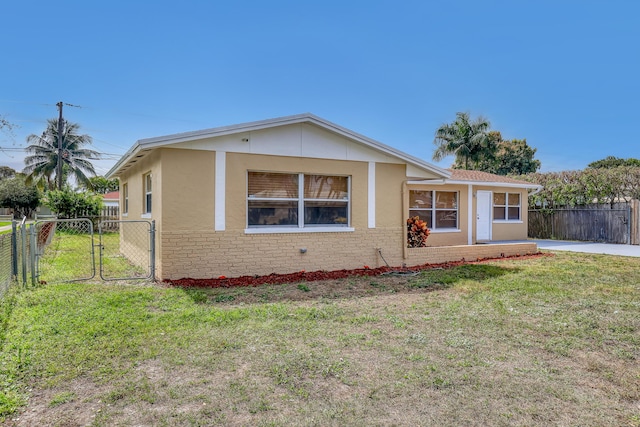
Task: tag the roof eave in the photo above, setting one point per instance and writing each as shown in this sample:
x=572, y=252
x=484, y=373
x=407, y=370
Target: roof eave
x=483, y=183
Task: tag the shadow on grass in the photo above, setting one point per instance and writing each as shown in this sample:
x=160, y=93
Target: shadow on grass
x=350, y=287
x=447, y=277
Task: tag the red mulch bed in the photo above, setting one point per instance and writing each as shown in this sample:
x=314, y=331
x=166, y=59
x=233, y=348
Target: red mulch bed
x=312, y=276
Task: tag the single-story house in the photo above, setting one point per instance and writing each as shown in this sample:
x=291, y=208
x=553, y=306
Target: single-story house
x=302, y=193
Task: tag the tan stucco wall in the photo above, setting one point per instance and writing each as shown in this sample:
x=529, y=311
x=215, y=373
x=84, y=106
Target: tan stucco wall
x=187, y=189
x=446, y=237
x=188, y=246
x=511, y=230
x=193, y=249
x=389, y=179
x=239, y=164
x=133, y=245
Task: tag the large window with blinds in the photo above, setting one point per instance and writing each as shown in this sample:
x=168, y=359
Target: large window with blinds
x=439, y=209
x=296, y=200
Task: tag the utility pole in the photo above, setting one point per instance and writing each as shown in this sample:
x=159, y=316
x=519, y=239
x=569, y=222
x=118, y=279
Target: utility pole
x=60, y=138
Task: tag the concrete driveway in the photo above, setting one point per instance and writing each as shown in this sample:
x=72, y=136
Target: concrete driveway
x=588, y=247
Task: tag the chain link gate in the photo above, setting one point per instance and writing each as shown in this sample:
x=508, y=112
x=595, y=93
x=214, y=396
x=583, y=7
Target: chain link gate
x=64, y=250
x=127, y=250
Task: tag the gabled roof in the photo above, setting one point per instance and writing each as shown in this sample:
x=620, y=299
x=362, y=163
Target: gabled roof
x=144, y=146
x=112, y=195
x=478, y=176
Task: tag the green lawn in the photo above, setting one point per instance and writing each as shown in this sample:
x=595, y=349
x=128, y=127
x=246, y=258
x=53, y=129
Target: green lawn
x=531, y=342
x=70, y=256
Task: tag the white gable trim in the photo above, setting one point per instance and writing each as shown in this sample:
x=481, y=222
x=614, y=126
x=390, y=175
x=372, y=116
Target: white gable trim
x=470, y=216
x=220, y=191
x=371, y=196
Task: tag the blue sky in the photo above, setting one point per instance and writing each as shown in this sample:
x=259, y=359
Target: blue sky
x=564, y=74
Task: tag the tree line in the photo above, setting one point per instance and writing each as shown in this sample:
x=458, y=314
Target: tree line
x=593, y=185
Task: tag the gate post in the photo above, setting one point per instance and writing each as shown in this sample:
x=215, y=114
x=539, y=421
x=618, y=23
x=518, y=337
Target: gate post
x=634, y=220
x=33, y=253
x=152, y=247
x=23, y=238
x=14, y=250
x=628, y=224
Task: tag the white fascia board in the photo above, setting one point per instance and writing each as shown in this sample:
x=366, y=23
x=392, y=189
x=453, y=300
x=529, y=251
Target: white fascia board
x=476, y=183
x=124, y=159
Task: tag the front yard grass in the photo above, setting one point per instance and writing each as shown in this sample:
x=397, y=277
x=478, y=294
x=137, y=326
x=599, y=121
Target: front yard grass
x=530, y=342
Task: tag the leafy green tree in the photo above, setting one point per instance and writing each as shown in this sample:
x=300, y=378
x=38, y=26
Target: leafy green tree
x=6, y=172
x=17, y=195
x=512, y=157
x=516, y=157
x=68, y=204
x=614, y=162
x=41, y=164
x=102, y=185
x=465, y=138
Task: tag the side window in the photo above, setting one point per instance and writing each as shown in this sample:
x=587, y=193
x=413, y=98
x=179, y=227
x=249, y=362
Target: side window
x=506, y=207
x=125, y=198
x=147, y=193
x=439, y=209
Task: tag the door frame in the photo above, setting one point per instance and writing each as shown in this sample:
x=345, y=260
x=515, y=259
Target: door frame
x=488, y=211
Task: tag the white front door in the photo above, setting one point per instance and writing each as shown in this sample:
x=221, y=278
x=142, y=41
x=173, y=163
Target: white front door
x=483, y=215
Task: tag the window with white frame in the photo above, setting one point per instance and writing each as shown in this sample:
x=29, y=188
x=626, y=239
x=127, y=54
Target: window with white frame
x=297, y=200
x=125, y=198
x=147, y=193
x=439, y=209
x=506, y=207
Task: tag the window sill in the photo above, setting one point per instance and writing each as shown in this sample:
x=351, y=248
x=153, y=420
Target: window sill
x=507, y=221
x=444, y=230
x=269, y=230
x=146, y=215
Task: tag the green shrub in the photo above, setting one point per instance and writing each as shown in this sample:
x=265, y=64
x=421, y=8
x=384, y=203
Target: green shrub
x=68, y=204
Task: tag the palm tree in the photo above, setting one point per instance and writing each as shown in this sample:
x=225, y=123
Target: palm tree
x=42, y=163
x=467, y=139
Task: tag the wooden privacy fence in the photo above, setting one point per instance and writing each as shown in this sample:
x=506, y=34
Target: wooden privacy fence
x=619, y=223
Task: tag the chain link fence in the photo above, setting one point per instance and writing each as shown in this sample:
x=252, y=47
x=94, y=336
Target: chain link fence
x=126, y=250
x=61, y=250
x=6, y=263
x=13, y=245
x=64, y=250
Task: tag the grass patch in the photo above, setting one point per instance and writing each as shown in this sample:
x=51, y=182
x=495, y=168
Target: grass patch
x=534, y=342
x=75, y=256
